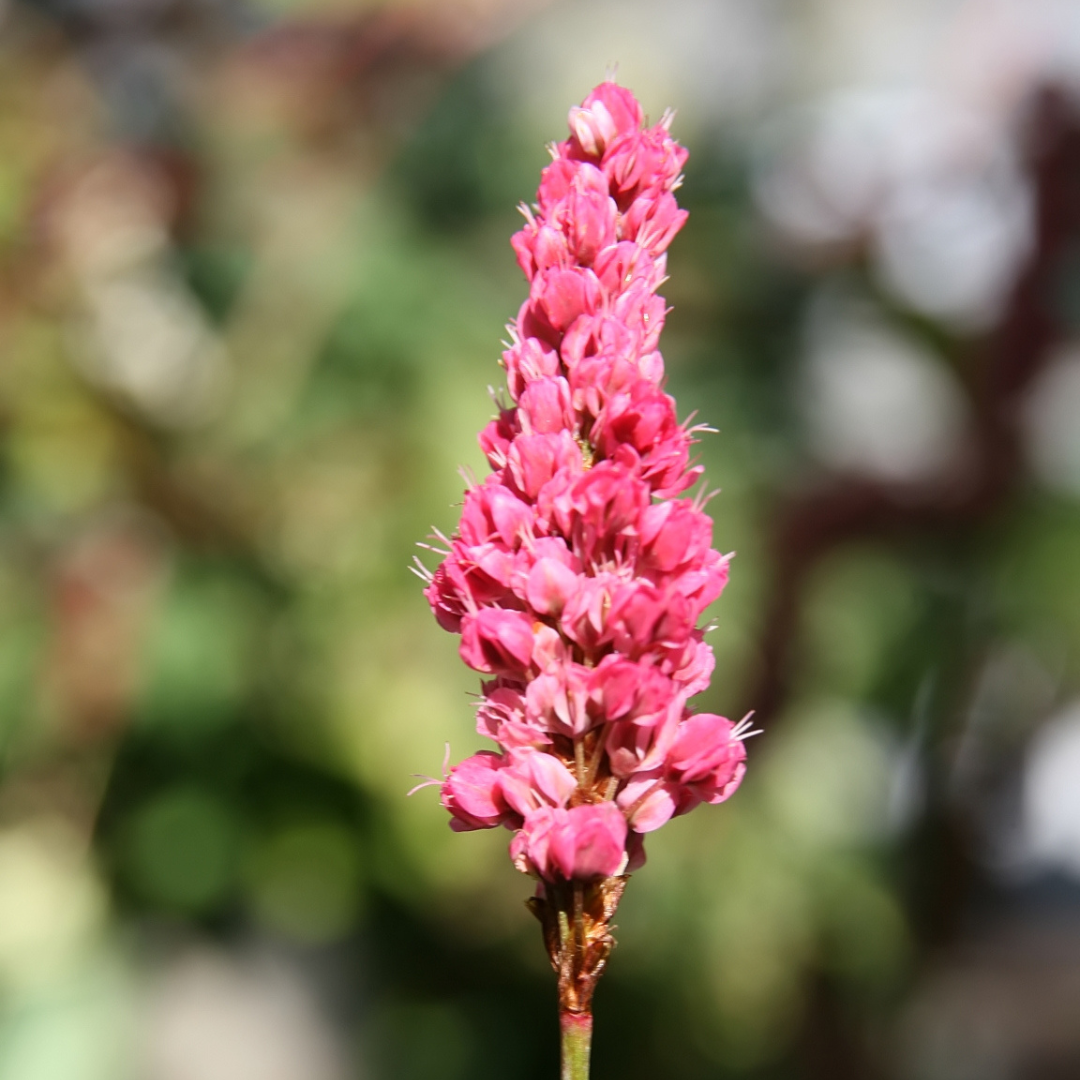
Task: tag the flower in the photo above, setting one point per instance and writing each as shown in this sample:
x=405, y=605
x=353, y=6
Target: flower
x=582, y=843
x=579, y=570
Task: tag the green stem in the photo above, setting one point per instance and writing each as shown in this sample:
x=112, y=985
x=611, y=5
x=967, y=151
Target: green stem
x=576, y=1041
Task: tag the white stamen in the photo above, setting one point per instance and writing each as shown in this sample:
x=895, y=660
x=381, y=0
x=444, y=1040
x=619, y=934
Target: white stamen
x=742, y=730
x=429, y=547
x=421, y=571
x=427, y=781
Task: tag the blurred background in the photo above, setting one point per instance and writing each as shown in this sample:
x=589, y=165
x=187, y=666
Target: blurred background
x=254, y=271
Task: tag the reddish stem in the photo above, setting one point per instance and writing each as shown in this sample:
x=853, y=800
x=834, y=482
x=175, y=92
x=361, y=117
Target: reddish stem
x=576, y=1030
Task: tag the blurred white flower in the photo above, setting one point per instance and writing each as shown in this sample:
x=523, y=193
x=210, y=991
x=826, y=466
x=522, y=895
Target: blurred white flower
x=1051, y=796
x=875, y=402
x=931, y=185
x=211, y=1016
x=142, y=336
x=52, y=905
x=1050, y=423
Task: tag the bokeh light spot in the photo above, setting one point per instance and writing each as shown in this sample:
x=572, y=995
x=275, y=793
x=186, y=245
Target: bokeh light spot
x=181, y=849
x=305, y=881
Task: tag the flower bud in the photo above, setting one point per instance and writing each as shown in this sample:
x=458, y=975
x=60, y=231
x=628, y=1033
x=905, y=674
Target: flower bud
x=588, y=842
x=551, y=584
x=533, y=779
x=497, y=642
x=544, y=406
x=707, y=758
x=606, y=113
x=472, y=793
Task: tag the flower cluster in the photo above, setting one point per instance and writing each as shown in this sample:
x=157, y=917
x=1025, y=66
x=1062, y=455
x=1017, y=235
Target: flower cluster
x=577, y=575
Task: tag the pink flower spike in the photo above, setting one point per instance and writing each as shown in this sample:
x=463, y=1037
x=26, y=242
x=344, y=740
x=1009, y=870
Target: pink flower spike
x=577, y=576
